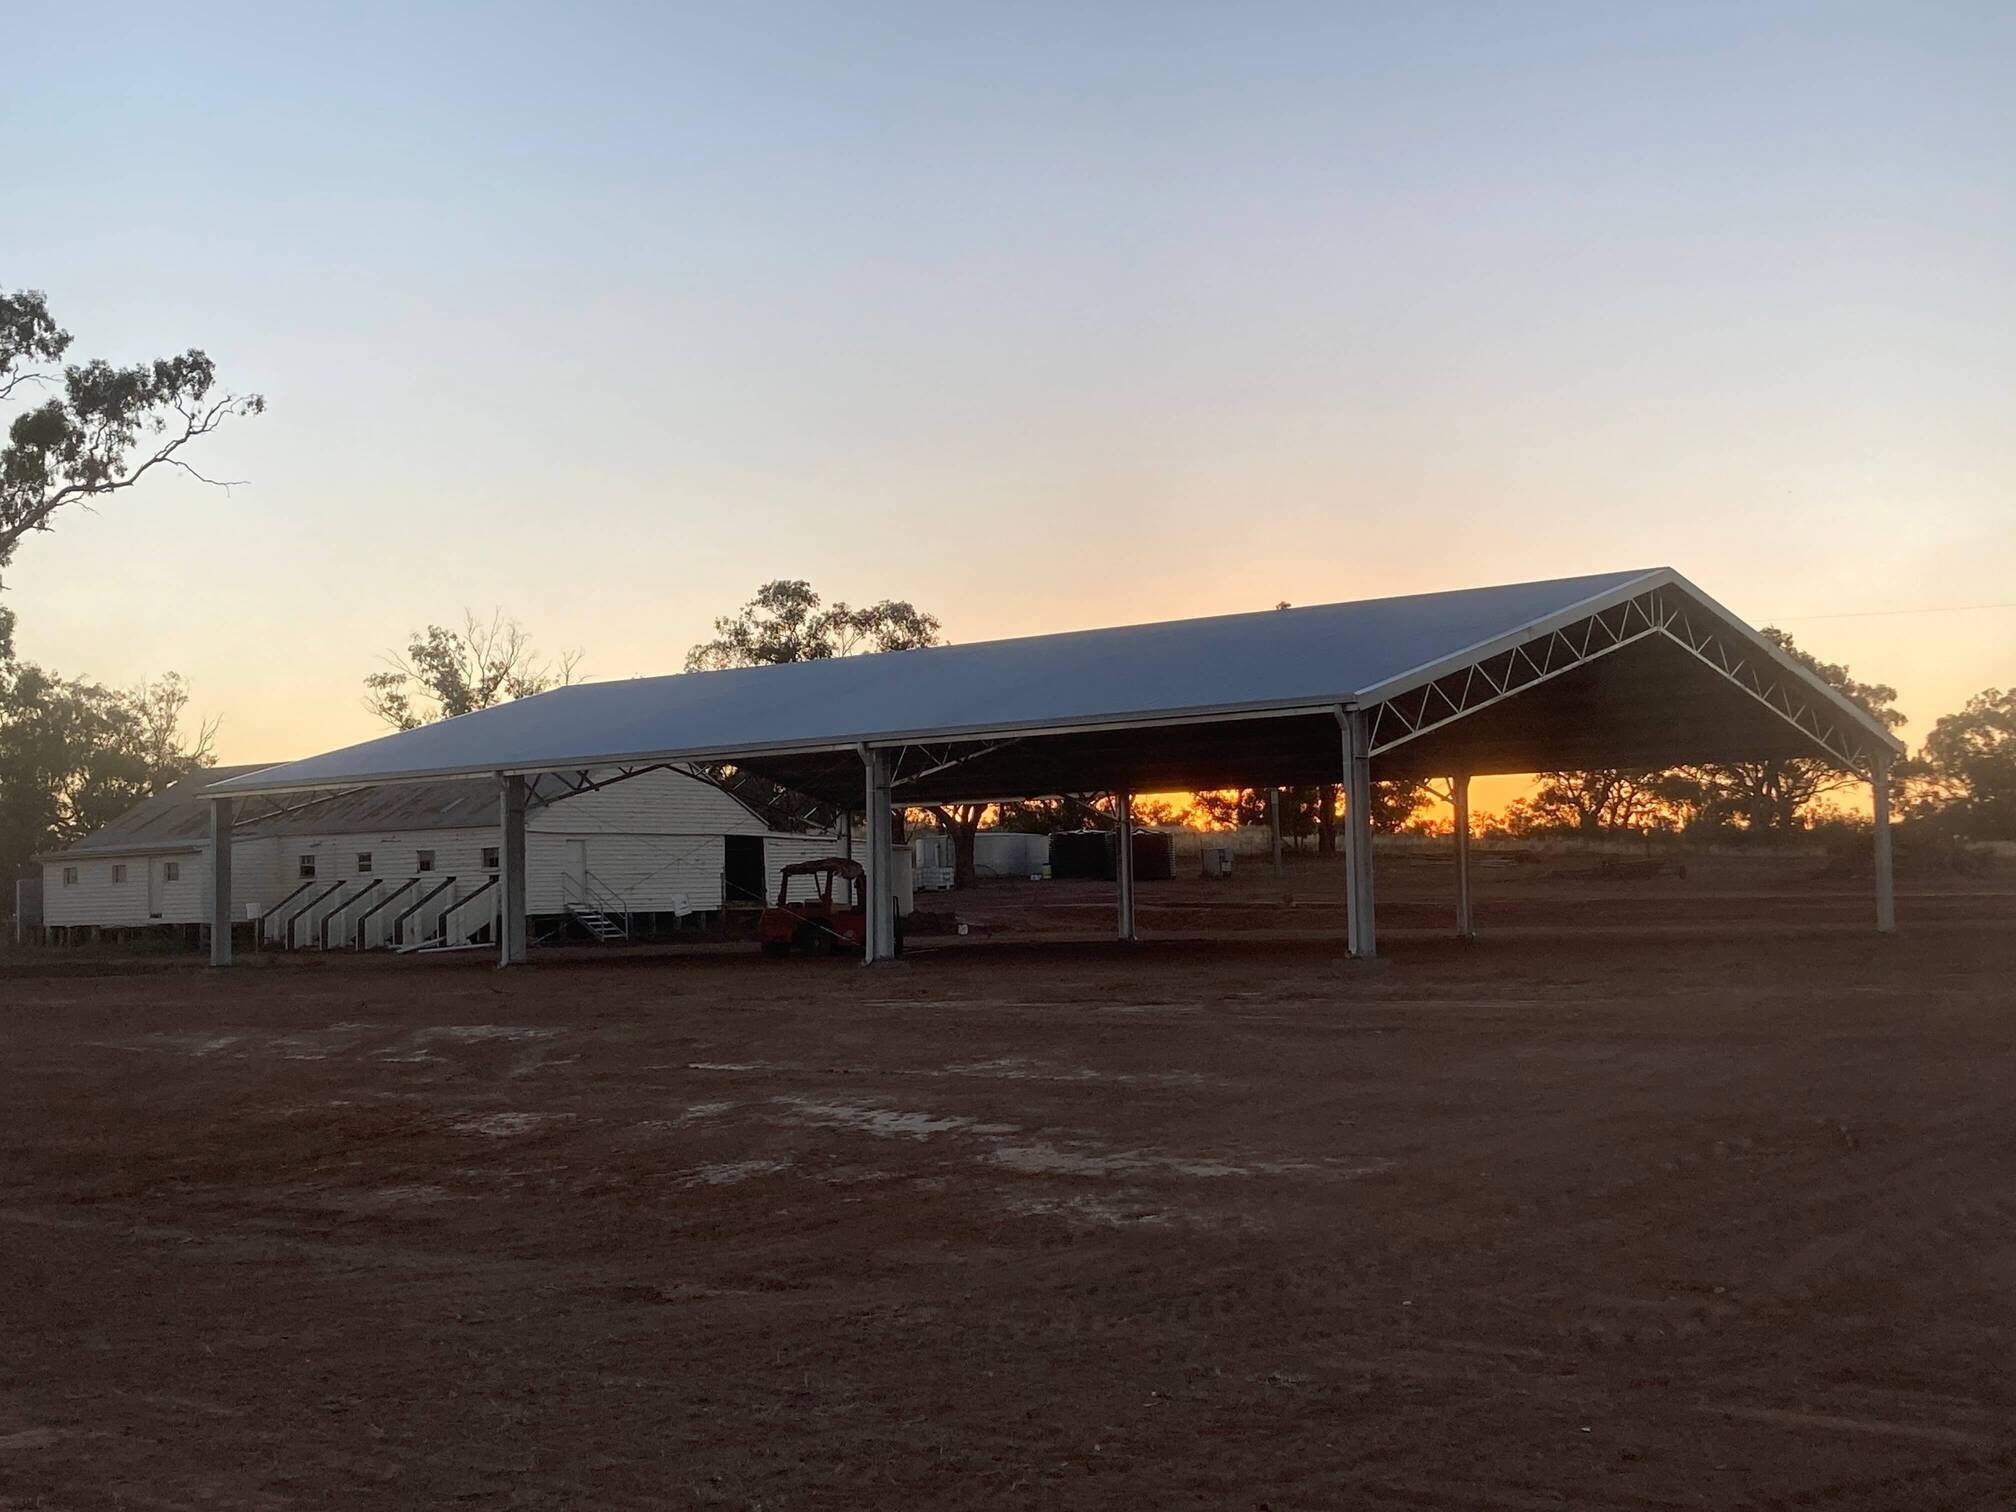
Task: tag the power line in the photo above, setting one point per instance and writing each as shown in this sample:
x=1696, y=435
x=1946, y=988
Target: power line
x=1887, y=613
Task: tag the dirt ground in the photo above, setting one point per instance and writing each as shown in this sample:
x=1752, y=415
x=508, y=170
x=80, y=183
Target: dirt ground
x=1682, y=1194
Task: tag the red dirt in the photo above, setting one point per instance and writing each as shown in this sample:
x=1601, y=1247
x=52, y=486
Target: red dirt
x=1623, y=1219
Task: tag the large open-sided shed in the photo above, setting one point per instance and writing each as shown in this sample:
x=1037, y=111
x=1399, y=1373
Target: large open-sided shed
x=1625, y=669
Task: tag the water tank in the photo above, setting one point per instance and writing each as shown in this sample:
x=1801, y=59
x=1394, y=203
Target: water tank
x=1083, y=854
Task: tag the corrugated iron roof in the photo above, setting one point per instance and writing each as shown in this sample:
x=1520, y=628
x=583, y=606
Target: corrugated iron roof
x=176, y=817
x=457, y=803
x=1308, y=655
x=1161, y=675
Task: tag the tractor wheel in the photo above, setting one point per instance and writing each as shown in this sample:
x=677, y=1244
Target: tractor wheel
x=810, y=939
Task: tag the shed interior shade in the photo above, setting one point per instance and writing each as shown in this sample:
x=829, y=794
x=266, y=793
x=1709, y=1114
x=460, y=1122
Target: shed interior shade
x=1617, y=669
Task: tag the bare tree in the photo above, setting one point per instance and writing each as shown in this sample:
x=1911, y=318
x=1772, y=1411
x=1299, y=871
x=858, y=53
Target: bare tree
x=445, y=673
x=157, y=739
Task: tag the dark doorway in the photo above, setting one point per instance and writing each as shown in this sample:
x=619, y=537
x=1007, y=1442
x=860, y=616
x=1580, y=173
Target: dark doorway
x=742, y=869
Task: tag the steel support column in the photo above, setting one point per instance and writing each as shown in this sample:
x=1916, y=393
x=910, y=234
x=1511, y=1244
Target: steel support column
x=220, y=881
x=1123, y=861
x=881, y=942
x=1460, y=798
x=511, y=940
x=1363, y=933
x=1886, y=892
x=1274, y=827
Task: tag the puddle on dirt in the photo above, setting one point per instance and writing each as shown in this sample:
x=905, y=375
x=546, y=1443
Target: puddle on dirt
x=1095, y=1212
x=1003, y=1068
x=1037, y=1157
x=418, y=1046
x=729, y=1172
x=1050, y=1160
x=506, y=1125
x=647, y=1129
x=1095, y=1001
x=1025, y=1068
x=885, y=1123
x=303, y=1044
x=1040, y=1158
x=400, y=1196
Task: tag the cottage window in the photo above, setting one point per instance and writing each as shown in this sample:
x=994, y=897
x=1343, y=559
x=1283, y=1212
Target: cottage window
x=489, y=858
x=118, y=873
x=424, y=861
x=307, y=864
x=363, y=863
x=69, y=876
x=171, y=871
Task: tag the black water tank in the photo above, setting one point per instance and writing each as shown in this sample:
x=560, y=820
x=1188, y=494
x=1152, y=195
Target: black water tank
x=1154, y=856
x=1090, y=853
x=1082, y=853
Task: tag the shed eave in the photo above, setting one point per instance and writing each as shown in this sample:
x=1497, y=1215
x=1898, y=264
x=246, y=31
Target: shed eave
x=1147, y=719
x=1428, y=672
x=112, y=852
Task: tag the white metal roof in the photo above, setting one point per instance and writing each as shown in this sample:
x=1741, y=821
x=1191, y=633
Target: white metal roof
x=1273, y=660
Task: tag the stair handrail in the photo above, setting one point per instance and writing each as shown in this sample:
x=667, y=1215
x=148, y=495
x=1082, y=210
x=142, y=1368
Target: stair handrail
x=588, y=893
x=357, y=929
x=456, y=907
x=344, y=905
x=397, y=928
x=259, y=929
x=287, y=925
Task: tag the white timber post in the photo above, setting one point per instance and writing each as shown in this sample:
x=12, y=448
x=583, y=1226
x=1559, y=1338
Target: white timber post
x=881, y=942
x=1459, y=788
x=220, y=881
x=511, y=870
x=1886, y=891
x=1362, y=934
x=1123, y=861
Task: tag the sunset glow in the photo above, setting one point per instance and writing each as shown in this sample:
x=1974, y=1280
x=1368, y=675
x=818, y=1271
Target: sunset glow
x=1136, y=316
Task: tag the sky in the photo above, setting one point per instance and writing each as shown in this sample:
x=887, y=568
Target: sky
x=1043, y=317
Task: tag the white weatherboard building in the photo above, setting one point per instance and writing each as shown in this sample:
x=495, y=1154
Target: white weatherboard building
x=417, y=864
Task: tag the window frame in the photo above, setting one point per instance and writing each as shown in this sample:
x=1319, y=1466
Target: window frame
x=69, y=876
x=490, y=857
x=304, y=866
x=118, y=873
x=363, y=863
x=171, y=871
x=423, y=861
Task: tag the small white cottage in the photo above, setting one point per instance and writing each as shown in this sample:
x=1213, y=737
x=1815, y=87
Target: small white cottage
x=416, y=865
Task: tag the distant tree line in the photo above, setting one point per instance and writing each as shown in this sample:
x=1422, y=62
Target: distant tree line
x=1961, y=784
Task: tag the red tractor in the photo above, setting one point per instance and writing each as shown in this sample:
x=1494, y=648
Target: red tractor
x=816, y=921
